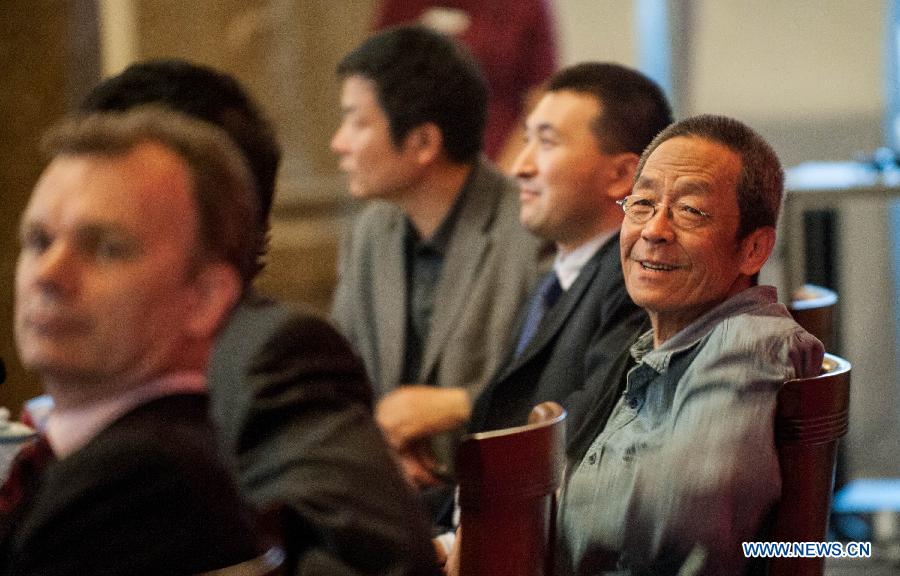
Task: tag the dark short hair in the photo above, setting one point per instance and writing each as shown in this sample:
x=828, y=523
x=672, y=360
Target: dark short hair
x=634, y=108
x=210, y=95
x=221, y=182
x=760, y=184
x=423, y=76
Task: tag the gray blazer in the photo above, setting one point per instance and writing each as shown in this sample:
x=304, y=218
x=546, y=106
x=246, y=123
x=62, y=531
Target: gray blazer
x=490, y=265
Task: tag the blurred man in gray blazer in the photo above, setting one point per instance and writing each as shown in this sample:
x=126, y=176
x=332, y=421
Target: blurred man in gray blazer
x=436, y=266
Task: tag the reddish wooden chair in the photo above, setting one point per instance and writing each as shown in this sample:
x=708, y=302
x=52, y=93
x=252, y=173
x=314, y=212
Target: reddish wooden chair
x=507, y=496
x=812, y=415
x=813, y=308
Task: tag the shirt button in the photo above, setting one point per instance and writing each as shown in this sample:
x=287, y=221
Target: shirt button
x=633, y=403
x=592, y=458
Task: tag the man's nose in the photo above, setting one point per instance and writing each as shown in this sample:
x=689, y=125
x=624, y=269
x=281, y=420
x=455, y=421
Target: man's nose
x=659, y=227
x=337, y=141
x=56, y=268
x=523, y=166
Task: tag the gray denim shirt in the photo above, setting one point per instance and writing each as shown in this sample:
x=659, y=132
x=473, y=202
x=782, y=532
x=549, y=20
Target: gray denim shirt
x=687, y=463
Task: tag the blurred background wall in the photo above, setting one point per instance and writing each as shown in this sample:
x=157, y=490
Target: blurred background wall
x=809, y=75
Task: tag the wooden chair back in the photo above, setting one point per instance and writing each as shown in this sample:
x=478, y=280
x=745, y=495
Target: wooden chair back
x=508, y=481
x=813, y=307
x=812, y=415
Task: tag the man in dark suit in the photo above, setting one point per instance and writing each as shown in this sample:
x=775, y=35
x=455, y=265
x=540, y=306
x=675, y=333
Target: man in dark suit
x=295, y=414
x=131, y=259
x=290, y=400
x=436, y=265
x=583, y=141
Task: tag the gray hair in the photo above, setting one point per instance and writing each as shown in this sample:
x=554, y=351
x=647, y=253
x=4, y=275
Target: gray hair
x=760, y=186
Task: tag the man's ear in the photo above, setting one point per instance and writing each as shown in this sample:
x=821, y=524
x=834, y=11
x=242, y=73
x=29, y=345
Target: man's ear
x=218, y=288
x=426, y=142
x=755, y=249
x=622, y=168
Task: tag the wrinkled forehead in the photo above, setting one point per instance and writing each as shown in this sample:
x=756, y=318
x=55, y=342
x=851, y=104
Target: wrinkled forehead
x=690, y=164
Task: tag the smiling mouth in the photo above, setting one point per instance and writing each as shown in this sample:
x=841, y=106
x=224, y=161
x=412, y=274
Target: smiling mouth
x=658, y=266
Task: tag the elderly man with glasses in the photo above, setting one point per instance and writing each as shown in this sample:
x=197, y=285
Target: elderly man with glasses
x=685, y=468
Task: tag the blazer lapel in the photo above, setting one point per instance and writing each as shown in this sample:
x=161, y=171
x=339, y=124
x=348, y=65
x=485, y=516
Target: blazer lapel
x=466, y=250
x=390, y=305
x=558, y=315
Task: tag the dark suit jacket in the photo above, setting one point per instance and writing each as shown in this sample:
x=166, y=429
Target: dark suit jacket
x=294, y=411
x=567, y=347
x=148, y=495
x=594, y=402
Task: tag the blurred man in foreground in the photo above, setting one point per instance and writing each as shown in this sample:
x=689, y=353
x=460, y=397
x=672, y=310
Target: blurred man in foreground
x=131, y=260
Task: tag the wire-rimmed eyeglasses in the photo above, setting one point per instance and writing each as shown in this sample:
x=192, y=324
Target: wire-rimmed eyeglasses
x=640, y=210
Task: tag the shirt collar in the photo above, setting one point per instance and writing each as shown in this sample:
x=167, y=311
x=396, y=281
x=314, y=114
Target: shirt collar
x=70, y=430
x=658, y=359
x=568, y=266
x=439, y=241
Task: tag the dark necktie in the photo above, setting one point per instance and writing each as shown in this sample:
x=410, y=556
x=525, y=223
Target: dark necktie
x=543, y=299
x=25, y=473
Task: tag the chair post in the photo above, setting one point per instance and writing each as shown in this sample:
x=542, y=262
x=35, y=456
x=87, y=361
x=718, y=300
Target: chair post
x=812, y=414
x=813, y=308
x=507, y=496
